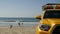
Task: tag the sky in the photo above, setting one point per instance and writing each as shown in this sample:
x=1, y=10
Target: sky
x=23, y=8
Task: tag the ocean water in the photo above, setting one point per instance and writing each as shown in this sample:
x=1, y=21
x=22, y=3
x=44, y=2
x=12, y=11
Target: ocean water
x=15, y=21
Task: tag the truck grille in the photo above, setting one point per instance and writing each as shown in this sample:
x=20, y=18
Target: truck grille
x=56, y=30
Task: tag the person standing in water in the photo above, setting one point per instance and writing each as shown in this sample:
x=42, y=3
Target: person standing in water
x=11, y=26
x=19, y=24
x=22, y=23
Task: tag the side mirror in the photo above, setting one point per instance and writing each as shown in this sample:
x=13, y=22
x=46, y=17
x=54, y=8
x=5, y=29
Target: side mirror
x=38, y=17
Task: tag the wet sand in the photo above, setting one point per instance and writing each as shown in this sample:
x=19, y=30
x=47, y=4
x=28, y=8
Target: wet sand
x=17, y=30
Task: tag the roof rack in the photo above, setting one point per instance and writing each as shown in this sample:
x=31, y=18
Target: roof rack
x=51, y=6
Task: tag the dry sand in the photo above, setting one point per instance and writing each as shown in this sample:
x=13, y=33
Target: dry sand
x=17, y=30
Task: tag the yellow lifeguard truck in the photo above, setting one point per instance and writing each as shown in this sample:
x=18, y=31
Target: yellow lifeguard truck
x=49, y=20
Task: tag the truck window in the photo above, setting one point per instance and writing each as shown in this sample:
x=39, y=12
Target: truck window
x=52, y=14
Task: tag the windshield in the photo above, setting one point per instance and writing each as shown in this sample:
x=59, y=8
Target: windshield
x=52, y=14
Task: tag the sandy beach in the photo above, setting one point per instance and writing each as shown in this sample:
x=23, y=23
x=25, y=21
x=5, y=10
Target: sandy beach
x=17, y=30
